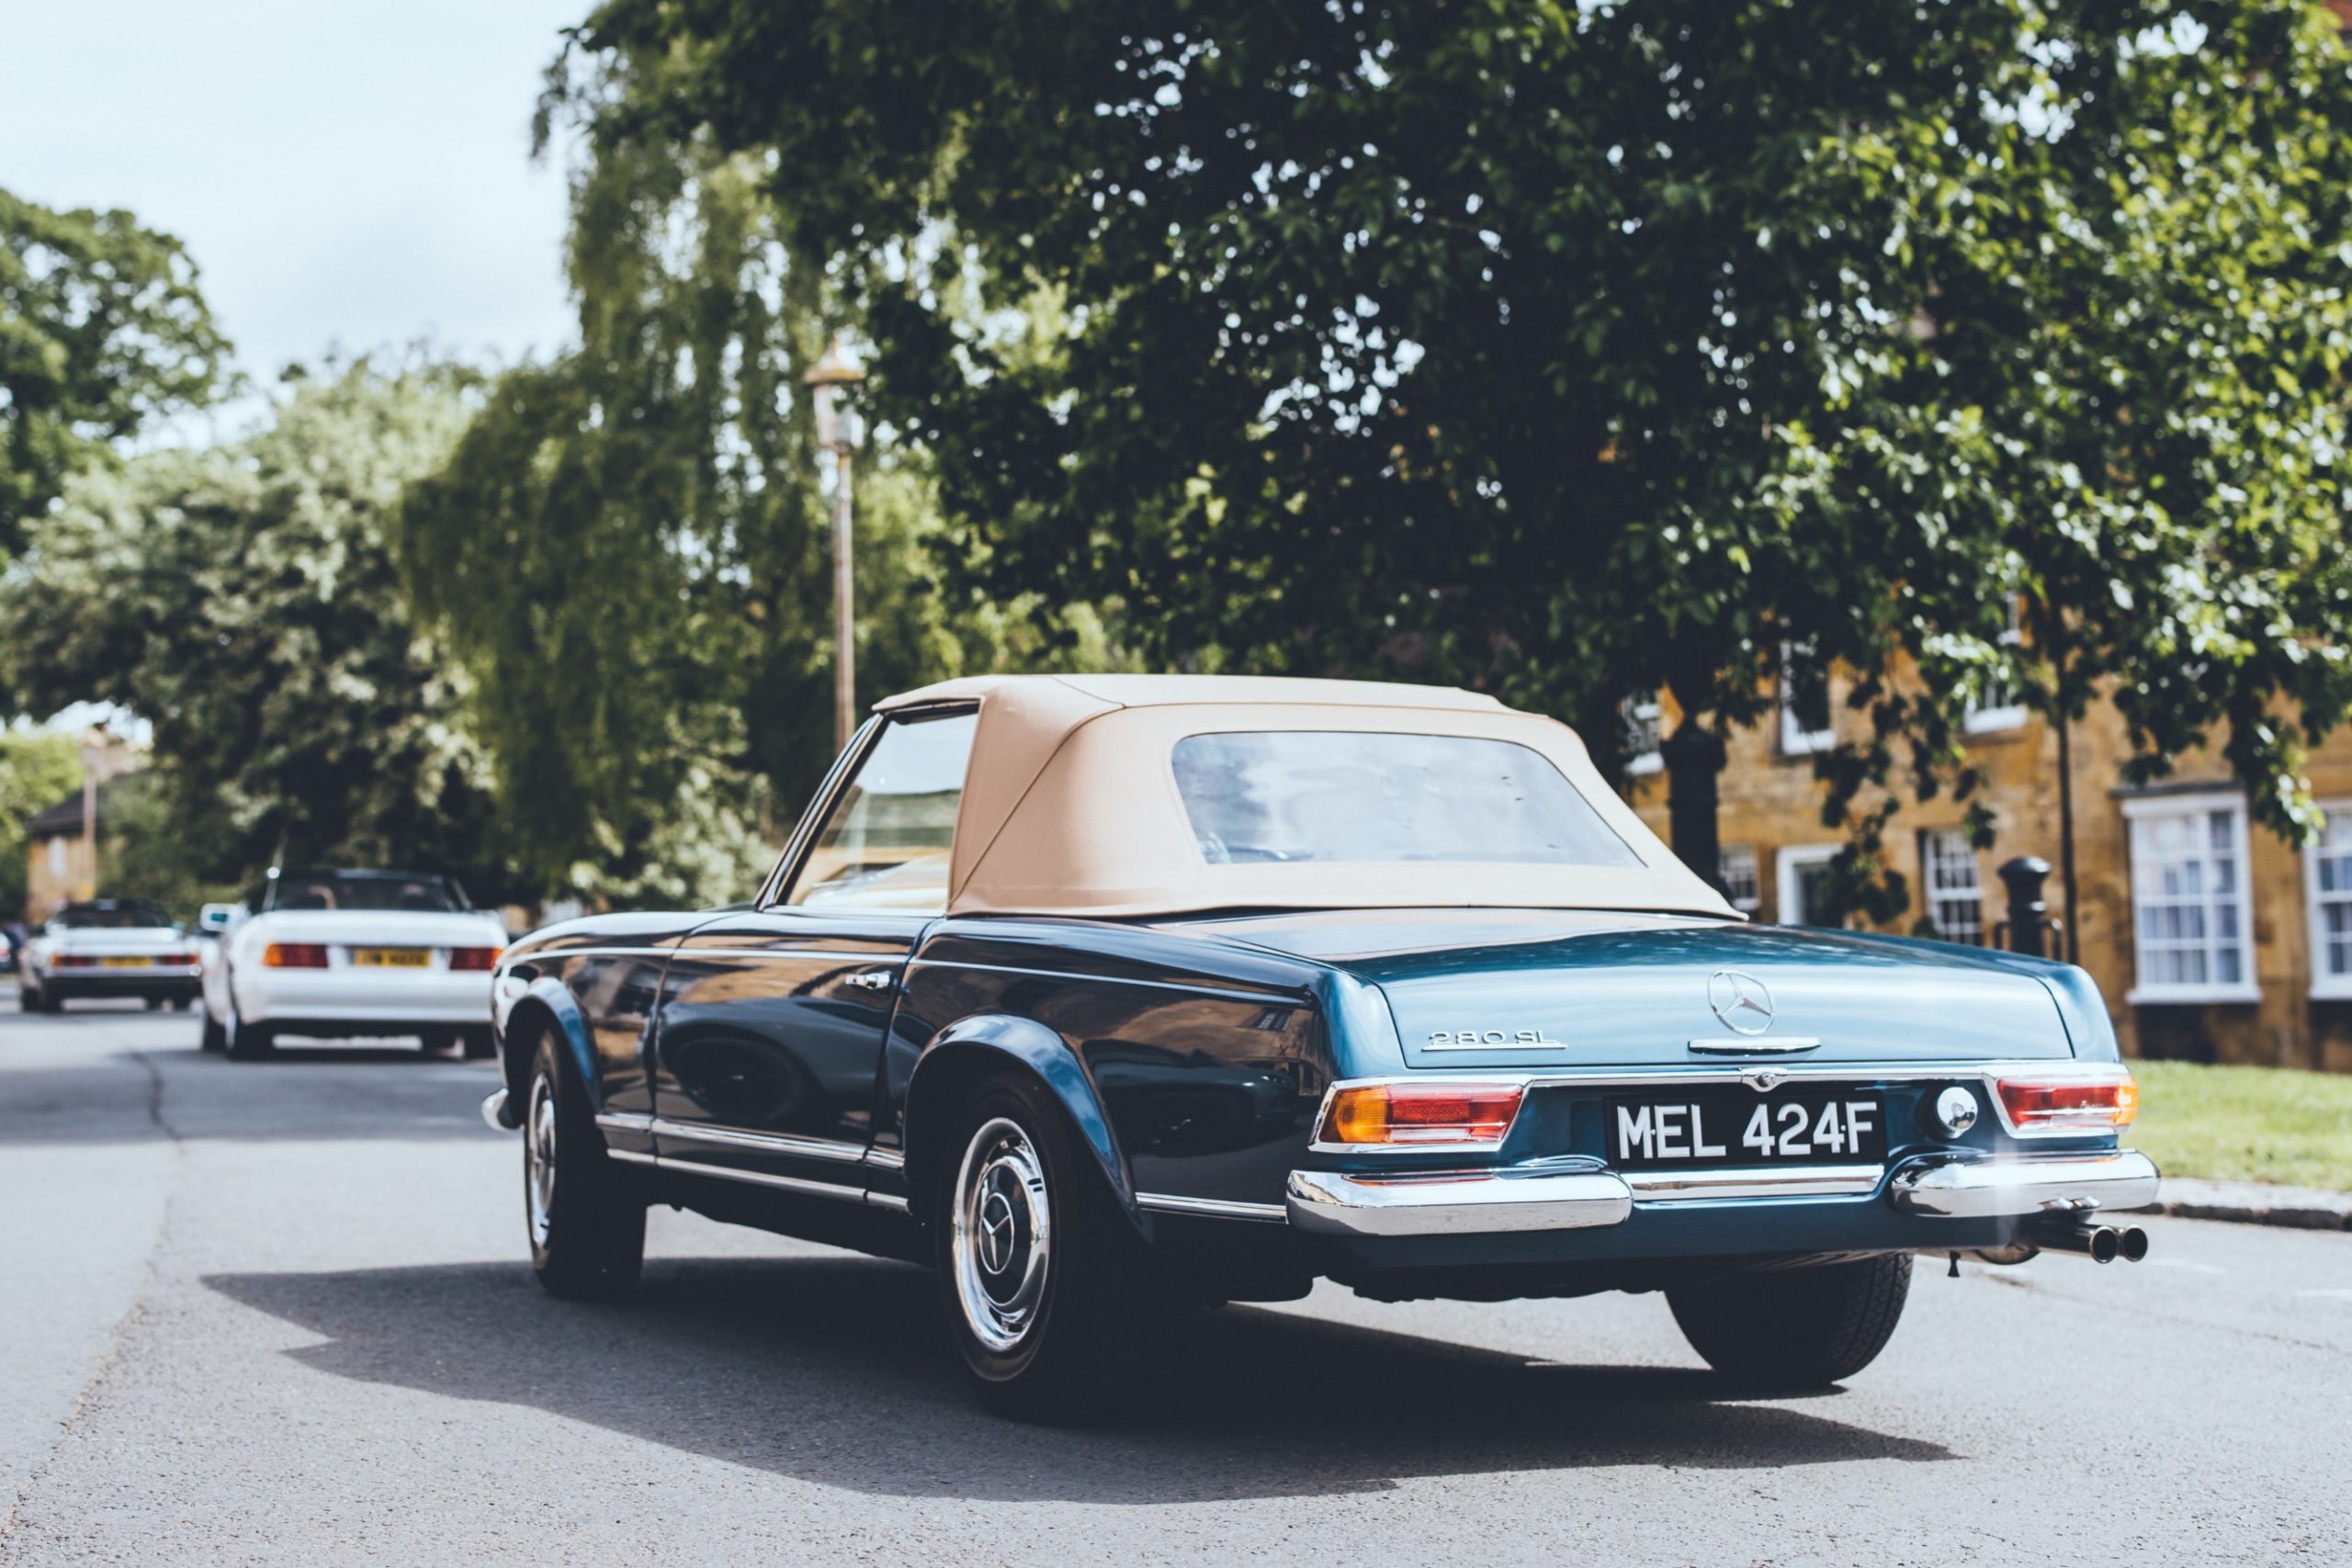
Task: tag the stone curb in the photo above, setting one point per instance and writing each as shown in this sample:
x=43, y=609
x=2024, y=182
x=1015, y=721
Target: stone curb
x=2252, y=1203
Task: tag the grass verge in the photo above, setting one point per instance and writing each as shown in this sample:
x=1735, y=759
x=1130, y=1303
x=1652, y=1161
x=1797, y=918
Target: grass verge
x=2245, y=1124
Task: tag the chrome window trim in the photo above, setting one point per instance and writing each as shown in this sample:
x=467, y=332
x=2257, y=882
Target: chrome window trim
x=1212, y=1208
x=1257, y=999
x=553, y=954
x=853, y=755
x=892, y=956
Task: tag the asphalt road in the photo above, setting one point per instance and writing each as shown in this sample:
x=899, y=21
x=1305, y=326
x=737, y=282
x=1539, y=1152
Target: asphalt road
x=278, y=1313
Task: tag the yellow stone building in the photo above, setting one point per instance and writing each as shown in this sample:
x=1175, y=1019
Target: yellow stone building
x=2211, y=938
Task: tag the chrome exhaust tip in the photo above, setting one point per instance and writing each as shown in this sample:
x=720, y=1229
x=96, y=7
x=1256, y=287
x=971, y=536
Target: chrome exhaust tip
x=2132, y=1242
x=2100, y=1244
x=493, y=1111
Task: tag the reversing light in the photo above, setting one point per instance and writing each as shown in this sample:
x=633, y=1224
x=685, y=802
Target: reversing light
x=1406, y=1115
x=294, y=955
x=2098, y=1101
x=474, y=957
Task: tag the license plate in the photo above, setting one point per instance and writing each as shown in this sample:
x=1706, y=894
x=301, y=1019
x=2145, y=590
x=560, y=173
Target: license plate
x=126, y=963
x=392, y=957
x=1739, y=1127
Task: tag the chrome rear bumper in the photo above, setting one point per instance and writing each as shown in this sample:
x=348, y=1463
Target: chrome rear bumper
x=1957, y=1187
x=1458, y=1203
x=1547, y=1197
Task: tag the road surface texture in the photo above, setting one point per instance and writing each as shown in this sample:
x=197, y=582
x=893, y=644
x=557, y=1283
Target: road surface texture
x=278, y=1313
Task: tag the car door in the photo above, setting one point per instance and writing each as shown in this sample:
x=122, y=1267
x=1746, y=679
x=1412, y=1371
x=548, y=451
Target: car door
x=768, y=1047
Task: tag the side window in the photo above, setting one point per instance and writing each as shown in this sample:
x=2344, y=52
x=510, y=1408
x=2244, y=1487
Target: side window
x=885, y=845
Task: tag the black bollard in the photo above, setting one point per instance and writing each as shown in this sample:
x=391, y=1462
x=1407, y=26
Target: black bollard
x=2027, y=926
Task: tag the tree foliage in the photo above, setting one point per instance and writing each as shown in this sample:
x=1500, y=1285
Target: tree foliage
x=1574, y=350
x=38, y=768
x=102, y=331
x=243, y=601
x=630, y=544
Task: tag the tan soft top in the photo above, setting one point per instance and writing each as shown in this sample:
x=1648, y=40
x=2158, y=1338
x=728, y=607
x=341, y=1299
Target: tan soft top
x=1070, y=805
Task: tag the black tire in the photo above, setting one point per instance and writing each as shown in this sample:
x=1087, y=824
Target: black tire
x=1795, y=1327
x=181, y=1004
x=155, y=1004
x=249, y=1042
x=480, y=1044
x=585, y=1218
x=1038, y=1327
x=438, y=1039
x=215, y=1037
x=44, y=1002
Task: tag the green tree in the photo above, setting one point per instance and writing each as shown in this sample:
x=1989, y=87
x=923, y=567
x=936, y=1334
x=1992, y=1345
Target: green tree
x=1575, y=350
x=629, y=547
x=102, y=331
x=38, y=768
x=243, y=601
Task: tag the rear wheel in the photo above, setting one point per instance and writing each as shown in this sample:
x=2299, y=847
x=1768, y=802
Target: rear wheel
x=248, y=1041
x=480, y=1044
x=584, y=1210
x=1795, y=1327
x=1037, y=1270
x=438, y=1039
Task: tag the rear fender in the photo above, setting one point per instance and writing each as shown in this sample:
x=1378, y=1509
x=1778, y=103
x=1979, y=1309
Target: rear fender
x=968, y=1050
x=547, y=1007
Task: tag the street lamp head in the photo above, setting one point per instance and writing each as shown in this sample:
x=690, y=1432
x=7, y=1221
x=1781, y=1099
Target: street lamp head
x=839, y=367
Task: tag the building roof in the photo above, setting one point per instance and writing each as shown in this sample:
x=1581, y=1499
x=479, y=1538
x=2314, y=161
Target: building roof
x=1070, y=805
x=65, y=819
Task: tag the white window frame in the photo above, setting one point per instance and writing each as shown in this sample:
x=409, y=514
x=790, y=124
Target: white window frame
x=2324, y=986
x=1636, y=710
x=1754, y=903
x=2198, y=805
x=1931, y=894
x=1788, y=897
x=1795, y=740
x=1999, y=716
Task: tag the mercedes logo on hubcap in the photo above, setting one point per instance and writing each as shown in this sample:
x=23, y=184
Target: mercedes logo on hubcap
x=1741, y=1002
x=996, y=1232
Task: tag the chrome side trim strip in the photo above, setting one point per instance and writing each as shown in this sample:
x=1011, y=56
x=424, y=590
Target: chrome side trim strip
x=762, y=1143
x=1255, y=999
x=624, y=1122
x=889, y=1201
x=1456, y=1202
x=1797, y=1181
x=633, y=1156
x=799, y=1184
x=550, y=955
x=1212, y=1208
x=1973, y=1186
x=886, y=1159
x=1742, y=1045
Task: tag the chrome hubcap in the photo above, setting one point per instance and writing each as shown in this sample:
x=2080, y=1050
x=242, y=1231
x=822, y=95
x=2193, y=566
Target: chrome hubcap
x=1000, y=1234
x=538, y=1157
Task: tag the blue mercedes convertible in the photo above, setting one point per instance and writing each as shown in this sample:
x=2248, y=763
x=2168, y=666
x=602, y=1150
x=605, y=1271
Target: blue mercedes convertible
x=1109, y=995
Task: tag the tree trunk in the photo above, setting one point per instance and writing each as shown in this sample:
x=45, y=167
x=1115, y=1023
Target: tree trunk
x=1694, y=759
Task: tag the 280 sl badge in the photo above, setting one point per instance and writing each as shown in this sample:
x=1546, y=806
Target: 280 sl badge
x=1492, y=1039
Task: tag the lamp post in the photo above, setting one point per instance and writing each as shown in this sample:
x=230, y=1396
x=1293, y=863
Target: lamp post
x=837, y=433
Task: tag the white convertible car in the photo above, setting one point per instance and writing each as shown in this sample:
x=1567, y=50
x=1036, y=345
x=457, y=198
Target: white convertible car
x=339, y=953
x=107, y=947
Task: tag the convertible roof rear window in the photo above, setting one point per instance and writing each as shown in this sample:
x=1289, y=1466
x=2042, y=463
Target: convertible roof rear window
x=369, y=890
x=1364, y=796
x=111, y=915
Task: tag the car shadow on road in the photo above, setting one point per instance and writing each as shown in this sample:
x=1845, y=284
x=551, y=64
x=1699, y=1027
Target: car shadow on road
x=833, y=1369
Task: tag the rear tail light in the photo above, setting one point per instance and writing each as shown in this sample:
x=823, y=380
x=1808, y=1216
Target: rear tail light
x=2098, y=1101
x=1397, y=1115
x=474, y=957
x=295, y=955
x=74, y=961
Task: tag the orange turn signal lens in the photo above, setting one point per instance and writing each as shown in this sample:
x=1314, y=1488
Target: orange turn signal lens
x=1405, y=1114
x=294, y=955
x=2070, y=1102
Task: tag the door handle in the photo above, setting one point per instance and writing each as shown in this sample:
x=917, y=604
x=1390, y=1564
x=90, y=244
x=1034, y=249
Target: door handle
x=870, y=980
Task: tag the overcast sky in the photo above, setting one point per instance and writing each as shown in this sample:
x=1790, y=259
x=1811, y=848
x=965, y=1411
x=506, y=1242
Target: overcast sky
x=354, y=174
